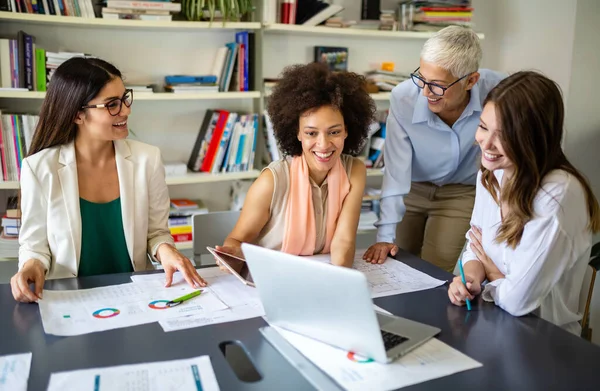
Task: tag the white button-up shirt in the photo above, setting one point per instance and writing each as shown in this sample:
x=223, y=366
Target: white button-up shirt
x=545, y=272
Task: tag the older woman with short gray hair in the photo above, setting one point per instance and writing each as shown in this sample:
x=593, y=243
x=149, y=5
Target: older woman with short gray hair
x=431, y=160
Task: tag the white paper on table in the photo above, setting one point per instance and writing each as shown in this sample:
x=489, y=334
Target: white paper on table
x=14, y=372
x=85, y=311
x=429, y=361
x=194, y=374
x=243, y=302
x=389, y=278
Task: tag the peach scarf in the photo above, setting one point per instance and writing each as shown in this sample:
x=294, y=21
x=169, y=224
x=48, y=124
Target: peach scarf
x=300, y=234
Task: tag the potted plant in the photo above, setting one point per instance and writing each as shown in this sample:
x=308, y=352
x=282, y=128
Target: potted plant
x=227, y=10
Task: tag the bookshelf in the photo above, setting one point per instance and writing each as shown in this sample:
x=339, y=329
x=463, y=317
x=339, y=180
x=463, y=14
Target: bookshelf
x=348, y=32
x=148, y=96
x=145, y=51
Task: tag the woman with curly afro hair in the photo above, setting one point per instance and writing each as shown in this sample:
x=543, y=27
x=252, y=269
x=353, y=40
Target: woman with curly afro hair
x=309, y=202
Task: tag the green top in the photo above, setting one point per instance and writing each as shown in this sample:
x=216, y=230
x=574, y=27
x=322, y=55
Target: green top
x=103, y=246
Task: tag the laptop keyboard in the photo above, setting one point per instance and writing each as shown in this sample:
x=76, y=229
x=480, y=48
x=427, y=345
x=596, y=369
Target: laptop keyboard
x=391, y=340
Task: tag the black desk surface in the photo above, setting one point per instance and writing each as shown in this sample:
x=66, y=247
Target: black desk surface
x=517, y=353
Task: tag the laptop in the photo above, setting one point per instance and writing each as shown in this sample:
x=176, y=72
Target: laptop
x=331, y=304
x=236, y=266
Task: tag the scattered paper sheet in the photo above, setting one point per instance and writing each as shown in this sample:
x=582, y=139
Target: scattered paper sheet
x=432, y=360
x=85, y=311
x=14, y=372
x=194, y=374
x=389, y=278
x=243, y=301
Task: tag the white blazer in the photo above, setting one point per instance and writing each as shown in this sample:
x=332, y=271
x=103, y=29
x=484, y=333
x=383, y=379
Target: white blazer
x=51, y=219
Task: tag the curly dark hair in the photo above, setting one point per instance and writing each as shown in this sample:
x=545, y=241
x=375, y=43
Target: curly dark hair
x=310, y=86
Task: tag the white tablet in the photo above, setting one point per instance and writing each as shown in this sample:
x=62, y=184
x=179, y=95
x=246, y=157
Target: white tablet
x=237, y=266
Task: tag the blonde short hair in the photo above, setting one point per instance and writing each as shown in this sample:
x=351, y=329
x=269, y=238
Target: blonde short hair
x=455, y=49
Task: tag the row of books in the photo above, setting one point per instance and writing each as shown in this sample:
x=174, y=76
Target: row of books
x=16, y=132
x=27, y=67
x=81, y=8
x=306, y=12
x=115, y=9
x=226, y=142
x=233, y=65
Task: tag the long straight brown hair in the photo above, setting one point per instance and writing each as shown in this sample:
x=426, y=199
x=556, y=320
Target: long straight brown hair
x=531, y=113
x=75, y=82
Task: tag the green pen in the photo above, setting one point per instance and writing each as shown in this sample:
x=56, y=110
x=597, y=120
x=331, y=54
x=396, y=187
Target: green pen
x=181, y=299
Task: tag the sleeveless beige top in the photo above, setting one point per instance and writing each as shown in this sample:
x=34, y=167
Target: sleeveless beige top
x=271, y=236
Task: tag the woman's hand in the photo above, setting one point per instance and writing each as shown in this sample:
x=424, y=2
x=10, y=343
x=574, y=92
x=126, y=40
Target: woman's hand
x=233, y=250
x=172, y=260
x=32, y=271
x=458, y=292
x=491, y=270
x=378, y=252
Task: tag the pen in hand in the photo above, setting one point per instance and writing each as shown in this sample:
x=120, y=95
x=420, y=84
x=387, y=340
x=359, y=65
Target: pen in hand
x=462, y=276
x=181, y=299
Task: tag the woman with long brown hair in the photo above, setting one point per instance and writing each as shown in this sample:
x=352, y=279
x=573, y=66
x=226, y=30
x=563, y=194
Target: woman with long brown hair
x=534, y=215
x=92, y=201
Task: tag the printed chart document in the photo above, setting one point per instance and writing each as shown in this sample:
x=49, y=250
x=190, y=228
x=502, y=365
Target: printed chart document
x=432, y=360
x=194, y=374
x=85, y=311
x=242, y=301
x=14, y=372
x=389, y=278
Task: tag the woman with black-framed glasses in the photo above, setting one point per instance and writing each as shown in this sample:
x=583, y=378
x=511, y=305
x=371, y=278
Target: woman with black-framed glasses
x=431, y=161
x=92, y=202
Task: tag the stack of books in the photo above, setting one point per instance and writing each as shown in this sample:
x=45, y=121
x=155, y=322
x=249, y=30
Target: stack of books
x=157, y=10
x=385, y=80
x=180, y=220
x=434, y=15
x=11, y=224
x=191, y=83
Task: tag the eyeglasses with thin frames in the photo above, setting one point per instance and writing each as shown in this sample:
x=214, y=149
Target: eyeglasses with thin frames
x=114, y=106
x=435, y=89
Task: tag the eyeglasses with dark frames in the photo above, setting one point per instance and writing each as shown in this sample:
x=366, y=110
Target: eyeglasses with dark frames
x=435, y=89
x=114, y=106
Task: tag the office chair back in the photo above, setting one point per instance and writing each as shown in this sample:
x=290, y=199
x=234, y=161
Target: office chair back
x=587, y=291
x=211, y=229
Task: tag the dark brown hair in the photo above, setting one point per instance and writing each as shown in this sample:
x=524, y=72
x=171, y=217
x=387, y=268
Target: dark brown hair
x=531, y=115
x=75, y=82
x=304, y=88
